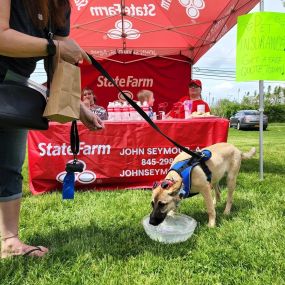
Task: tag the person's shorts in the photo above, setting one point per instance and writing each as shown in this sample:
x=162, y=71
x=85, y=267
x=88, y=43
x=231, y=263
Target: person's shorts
x=12, y=156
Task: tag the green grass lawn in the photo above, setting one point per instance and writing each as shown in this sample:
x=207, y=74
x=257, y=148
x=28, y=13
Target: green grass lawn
x=98, y=238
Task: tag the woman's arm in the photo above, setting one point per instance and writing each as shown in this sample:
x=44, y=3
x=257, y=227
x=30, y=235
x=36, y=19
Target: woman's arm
x=16, y=44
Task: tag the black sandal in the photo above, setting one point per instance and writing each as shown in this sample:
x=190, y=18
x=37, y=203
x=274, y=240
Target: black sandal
x=32, y=250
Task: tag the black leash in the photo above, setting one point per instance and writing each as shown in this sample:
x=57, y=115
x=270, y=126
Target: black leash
x=75, y=166
x=101, y=69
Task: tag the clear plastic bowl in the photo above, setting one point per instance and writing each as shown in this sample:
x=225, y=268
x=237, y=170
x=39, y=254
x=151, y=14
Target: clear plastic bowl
x=175, y=228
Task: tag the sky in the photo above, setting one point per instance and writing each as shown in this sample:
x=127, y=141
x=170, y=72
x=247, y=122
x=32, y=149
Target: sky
x=221, y=56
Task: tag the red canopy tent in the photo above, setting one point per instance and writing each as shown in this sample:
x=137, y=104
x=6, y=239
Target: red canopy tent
x=125, y=32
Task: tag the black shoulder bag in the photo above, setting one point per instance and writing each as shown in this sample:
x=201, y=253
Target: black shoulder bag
x=22, y=102
x=21, y=106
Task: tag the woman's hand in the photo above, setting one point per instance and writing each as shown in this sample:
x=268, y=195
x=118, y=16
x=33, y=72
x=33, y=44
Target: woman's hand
x=89, y=119
x=71, y=52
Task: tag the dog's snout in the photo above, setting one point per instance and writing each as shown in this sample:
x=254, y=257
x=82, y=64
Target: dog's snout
x=156, y=218
x=154, y=221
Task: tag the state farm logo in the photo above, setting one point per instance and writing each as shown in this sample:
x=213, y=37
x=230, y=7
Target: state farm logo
x=193, y=7
x=165, y=4
x=127, y=93
x=132, y=10
x=127, y=27
x=49, y=149
x=84, y=177
x=130, y=81
x=80, y=3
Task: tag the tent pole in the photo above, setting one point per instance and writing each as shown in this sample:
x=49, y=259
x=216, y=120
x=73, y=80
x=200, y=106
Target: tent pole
x=261, y=110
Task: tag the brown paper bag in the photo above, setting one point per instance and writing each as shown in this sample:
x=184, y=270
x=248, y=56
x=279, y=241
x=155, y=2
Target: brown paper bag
x=65, y=93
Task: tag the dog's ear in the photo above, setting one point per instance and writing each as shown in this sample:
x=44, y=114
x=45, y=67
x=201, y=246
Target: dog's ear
x=174, y=188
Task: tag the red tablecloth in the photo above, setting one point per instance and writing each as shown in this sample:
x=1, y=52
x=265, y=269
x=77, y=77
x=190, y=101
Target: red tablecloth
x=123, y=155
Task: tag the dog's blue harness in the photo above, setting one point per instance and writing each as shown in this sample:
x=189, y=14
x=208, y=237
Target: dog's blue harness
x=184, y=169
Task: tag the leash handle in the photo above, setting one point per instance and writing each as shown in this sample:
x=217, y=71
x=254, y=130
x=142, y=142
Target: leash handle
x=101, y=69
x=74, y=138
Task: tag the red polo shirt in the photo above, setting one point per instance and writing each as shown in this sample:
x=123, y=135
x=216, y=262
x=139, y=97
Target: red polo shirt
x=178, y=112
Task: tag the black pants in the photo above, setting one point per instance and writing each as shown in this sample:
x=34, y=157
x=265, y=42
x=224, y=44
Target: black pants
x=12, y=156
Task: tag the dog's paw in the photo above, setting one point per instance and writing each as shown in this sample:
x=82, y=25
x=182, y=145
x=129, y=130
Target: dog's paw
x=227, y=212
x=211, y=224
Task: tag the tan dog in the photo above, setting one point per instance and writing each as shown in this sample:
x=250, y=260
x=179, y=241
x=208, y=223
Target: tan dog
x=225, y=160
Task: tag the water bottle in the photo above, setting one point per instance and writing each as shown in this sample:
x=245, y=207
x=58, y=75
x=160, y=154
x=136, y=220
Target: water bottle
x=117, y=111
x=120, y=116
x=110, y=110
x=124, y=112
x=128, y=111
x=138, y=116
x=187, y=108
x=133, y=113
x=190, y=106
x=145, y=108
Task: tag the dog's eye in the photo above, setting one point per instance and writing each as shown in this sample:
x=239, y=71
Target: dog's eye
x=152, y=203
x=161, y=204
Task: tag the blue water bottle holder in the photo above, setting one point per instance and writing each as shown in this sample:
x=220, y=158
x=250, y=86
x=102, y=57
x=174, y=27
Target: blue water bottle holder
x=68, y=188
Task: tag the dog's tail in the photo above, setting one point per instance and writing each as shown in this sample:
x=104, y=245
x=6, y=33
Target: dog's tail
x=248, y=155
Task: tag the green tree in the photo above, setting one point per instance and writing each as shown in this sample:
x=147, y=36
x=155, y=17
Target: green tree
x=274, y=104
x=246, y=100
x=226, y=108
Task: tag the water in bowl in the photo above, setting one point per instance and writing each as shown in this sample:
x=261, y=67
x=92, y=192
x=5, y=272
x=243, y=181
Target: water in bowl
x=175, y=228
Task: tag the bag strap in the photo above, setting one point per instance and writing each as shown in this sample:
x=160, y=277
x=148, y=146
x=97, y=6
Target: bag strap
x=101, y=69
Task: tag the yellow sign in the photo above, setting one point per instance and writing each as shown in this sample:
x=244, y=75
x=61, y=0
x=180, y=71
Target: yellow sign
x=261, y=47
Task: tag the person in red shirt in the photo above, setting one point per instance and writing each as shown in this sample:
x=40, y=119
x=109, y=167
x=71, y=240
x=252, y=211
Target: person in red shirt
x=195, y=88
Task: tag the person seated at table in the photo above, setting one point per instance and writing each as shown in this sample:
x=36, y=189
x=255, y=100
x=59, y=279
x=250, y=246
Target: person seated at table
x=148, y=97
x=89, y=99
x=195, y=89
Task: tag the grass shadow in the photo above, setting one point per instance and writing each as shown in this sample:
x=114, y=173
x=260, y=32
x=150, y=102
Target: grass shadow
x=117, y=243
x=239, y=207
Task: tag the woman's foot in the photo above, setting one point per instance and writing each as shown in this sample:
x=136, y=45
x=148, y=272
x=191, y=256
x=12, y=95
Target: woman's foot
x=14, y=247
